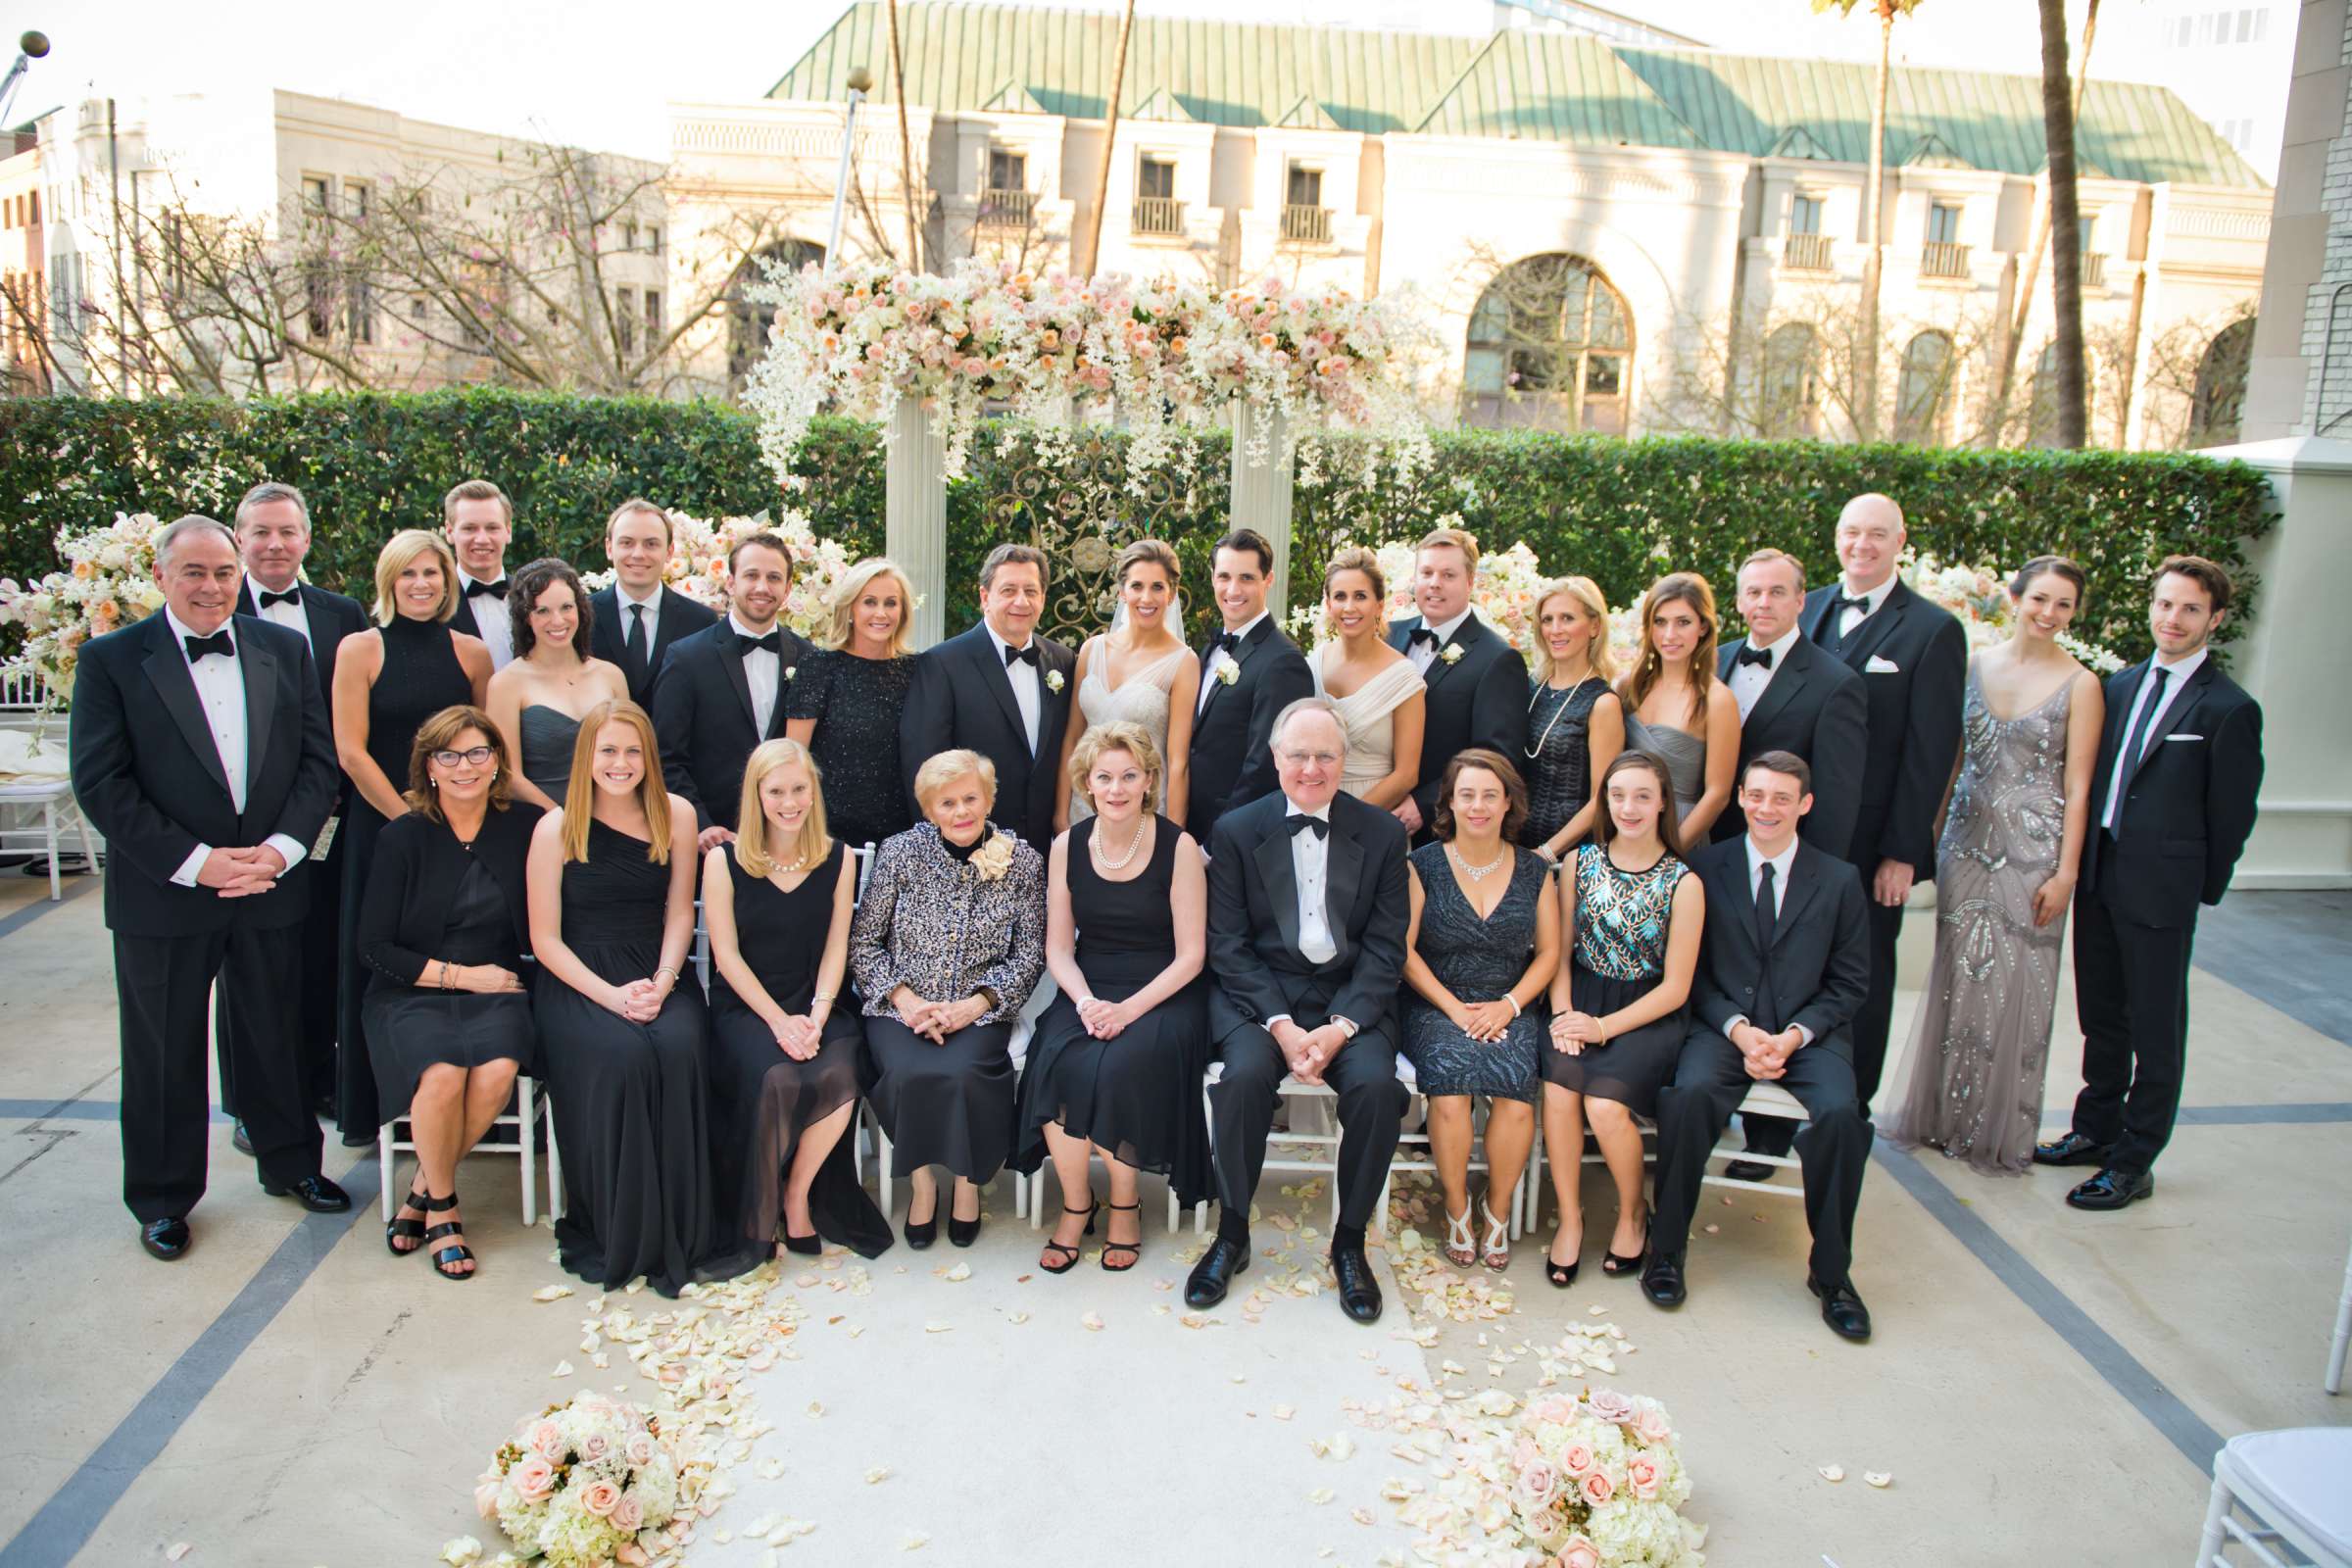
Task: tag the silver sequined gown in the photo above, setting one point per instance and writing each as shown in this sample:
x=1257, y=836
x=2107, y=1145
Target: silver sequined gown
x=1983, y=1034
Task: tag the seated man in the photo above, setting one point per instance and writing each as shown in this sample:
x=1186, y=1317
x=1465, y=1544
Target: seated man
x=1307, y=909
x=1786, y=965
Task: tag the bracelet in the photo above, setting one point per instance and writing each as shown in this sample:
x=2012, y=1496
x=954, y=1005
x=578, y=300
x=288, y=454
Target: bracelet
x=1516, y=1009
x=1086, y=1002
x=665, y=969
x=821, y=996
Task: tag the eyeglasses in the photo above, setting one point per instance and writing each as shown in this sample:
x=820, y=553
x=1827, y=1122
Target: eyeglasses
x=1319, y=758
x=474, y=756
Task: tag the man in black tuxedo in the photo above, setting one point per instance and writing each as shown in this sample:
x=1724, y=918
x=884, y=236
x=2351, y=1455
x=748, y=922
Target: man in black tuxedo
x=639, y=619
x=1794, y=697
x=201, y=750
x=480, y=522
x=1307, y=908
x=1000, y=690
x=274, y=536
x=1477, y=682
x=720, y=692
x=2174, y=791
x=1250, y=672
x=1783, y=968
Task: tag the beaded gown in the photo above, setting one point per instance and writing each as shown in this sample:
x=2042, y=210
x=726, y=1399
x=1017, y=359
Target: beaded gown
x=1623, y=919
x=1984, y=1036
x=1477, y=958
x=1559, y=773
x=856, y=703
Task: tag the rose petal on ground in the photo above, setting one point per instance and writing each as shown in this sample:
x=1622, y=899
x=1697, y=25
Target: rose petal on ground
x=877, y=1475
x=958, y=1274
x=1091, y=1320
x=1879, y=1478
x=916, y=1540
x=550, y=1292
x=1831, y=1472
x=178, y=1550
x=462, y=1551
x=563, y=1370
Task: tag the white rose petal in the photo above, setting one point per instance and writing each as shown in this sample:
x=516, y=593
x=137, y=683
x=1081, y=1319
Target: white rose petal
x=1879, y=1478
x=959, y=1273
x=550, y=1292
x=178, y=1550
x=563, y=1370
x=916, y=1540
x=1092, y=1321
x=1831, y=1472
x=877, y=1474
x=462, y=1551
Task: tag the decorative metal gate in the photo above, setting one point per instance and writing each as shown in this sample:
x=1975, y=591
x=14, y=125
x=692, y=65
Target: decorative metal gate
x=1072, y=502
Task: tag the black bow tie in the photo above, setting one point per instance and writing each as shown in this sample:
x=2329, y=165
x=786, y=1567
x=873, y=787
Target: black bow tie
x=1422, y=634
x=1299, y=822
x=497, y=589
x=1226, y=640
x=218, y=643
x=1755, y=655
x=1026, y=656
x=772, y=643
x=292, y=596
x=1844, y=604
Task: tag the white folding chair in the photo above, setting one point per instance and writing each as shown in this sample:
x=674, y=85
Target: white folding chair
x=522, y=1115
x=1426, y=1160
x=2290, y=1486
x=1325, y=1160
x=1769, y=1100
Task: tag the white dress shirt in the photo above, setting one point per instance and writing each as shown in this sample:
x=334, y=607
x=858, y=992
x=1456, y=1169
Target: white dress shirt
x=2175, y=682
x=1749, y=680
x=1781, y=864
x=497, y=631
x=1028, y=686
x=630, y=609
x=1848, y=618
x=1220, y=659
x=292, y=616
x=1423, y=654
x=221, y=690
x=1310, y=863
x=762, y=672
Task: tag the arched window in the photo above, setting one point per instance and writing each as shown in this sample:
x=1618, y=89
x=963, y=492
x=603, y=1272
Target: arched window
x=1923, y=395
x=1791, y=394
x=2219, y=402
x=747, y=322
x=1551, y=347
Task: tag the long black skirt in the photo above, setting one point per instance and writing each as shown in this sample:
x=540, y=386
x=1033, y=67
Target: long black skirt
x=948, y=1104
x=762, y=1102
x=1135, y=1098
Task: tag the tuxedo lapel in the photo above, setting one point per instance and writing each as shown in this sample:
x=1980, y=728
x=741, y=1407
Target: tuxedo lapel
x=1817, y=612
x=1780, y=691
x=1343, y=875
x=1741, y=900
x=2176, y=712
x=259, y=668
x=730, y=664
x=1440, y=666
x=997, y=678
x=1804, y=884
x=1282, y=881
x=323, y=635
x=1875, y=628
x=167, y=670
x=668, y=626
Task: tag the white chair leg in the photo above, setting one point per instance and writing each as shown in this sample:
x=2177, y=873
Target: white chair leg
x=1380, y=1211
x=2216, y=1509
x=882, y=1169
x=383, y=1168
x=1175, y=1211
x=526, y=1138
x=57, y=882
x=555, y=1169
x=2343, y=1336
x=1033, y=1185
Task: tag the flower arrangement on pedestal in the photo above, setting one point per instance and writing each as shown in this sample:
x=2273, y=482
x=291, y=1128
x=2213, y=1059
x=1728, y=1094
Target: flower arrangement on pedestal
x=1503, y=593
x=587, y=1483
x=108, y=581
x=698, y=564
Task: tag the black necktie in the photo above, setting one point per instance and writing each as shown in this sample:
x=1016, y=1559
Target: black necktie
x=496, y=589
x=1422, y=634
x=292, y=596
x=1767, y=1006
x=1299, y=822
x=218, y=643
x=1755, y=655
x=1225, y=640
x=1767, y=908
x=772, y=643
x=1027, y=655
x=635, y=646
x=2134, y=744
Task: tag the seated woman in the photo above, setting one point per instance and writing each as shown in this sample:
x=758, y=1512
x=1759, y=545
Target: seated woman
x=1479, y=953
x=1619, y=1006
x=621, y=1047
x=784, y=1059
x=949, y=940
x=443, y=928
x=1116, y=1064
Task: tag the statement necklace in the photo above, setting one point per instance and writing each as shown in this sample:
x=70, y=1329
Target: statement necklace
x=1477, y=873
x=1103, y=857
x=1566, y=702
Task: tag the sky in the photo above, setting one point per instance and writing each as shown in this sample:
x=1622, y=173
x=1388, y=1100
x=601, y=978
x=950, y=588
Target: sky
x=601, y=73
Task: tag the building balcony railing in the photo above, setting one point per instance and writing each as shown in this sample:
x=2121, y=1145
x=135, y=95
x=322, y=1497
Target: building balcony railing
x=1008, y=209
x=1943, y=258
x=2094, y=269
x=1159, y=215
x=1307, y=225
x=1809, y=252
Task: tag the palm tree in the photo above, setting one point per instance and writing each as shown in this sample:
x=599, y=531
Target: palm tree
x=2066, y=228
x=2029, y=272
x=897, y=90
x=1865, y=335
x=1086, y=259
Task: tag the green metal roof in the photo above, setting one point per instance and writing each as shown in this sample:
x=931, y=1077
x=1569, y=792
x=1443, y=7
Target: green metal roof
x=1532, y=86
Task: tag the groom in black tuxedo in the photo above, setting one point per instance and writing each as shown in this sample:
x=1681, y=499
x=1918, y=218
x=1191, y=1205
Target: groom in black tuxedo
x=2180, y=765
x=1000, y=690
x=1233, y=730
x=1794, y=697
x=721, y=691
x=1476, y=683
x=1307, y=908
x=638, y=620
x=479, y=523
x=1784, y=966
x=202, y=751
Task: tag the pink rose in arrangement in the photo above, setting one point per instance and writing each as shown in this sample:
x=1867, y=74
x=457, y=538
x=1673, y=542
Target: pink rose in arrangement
x=632, y=1554
x=533, y=1477
x=629, y=1513
x=1651, y=1426
x=640, y=1450
x=1642, y=1474
x=1577, y=1458
x=1611, y=1407
x=595, y=1446
x=547, y=1438
x=1579, y=1552
x=1553, y=1412
x=1524, y=1453
x=601, y=1497
x=1537, y=1484
x=485, y=1499
x=1599, y=1488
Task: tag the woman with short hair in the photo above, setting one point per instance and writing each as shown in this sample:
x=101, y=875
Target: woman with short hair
x=1575, y=721
x=844, y=701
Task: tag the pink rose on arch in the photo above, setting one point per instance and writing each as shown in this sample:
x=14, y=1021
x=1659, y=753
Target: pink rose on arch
x=533, y=1477
x=1578, y=1552
x=629, y=1513
x=548, y=1439
x=1651, y=1426
x=1610, y=1406
x=1642, y=1474
x=640, y=1451
x=1598, y=1488
x=1577, y=1458
x=599, y=1498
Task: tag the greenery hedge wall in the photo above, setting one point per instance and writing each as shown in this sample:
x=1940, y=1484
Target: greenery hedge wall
x=1617, y=510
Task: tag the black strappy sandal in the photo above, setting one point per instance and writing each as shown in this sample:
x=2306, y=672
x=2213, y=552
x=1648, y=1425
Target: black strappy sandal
x=408, y=1230
x=444, y=1258
x=1069, y=1255
x=1109, y=1247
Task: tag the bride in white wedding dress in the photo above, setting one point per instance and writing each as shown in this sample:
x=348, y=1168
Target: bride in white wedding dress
x=1377, y=690
x=1140, y=672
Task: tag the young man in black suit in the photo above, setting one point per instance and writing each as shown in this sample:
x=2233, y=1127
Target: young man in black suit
x=1794, y=698
x=480, y=522
x=721, y=691
x=1308, y=907
x=1000, y=690
x=638, y=620
x=201, y=749
x=1784, y=966
x=1476, y=680
x=1250, y=672
x=2179, y=766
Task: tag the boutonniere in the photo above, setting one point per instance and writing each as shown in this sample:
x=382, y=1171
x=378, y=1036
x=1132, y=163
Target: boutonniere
x=994, y=859
x=1451, y=653
x=1228, y=672
x=1053, y=681
x=791, y=671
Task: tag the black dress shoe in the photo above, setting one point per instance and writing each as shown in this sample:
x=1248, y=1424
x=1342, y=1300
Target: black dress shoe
x=1359, y=1290
x=2113, y=1189
x=167, y=1238
x=2071, y=1150
x=922, y=1236
x=240, y=1139
x=1212, y=1276
x=1841, y=1309
x=1662, y=1281
x=315, y=1193
x=1750, y=1170
x=963, y=1232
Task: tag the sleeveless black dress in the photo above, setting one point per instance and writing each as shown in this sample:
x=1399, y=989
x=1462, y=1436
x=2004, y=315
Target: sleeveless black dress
x=421, y=677
x=1136, y=1097
x=762, y=1100
x=629, y=1099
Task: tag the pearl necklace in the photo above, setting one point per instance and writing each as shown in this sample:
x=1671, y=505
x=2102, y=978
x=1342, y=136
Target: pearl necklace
x=1102, y=857
x=1566, y=702
x=1477, y=873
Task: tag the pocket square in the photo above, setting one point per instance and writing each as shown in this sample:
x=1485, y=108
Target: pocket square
x=2184, y=737
x=1881, y=667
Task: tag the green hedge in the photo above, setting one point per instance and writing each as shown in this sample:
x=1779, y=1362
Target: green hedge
x=1617, y=510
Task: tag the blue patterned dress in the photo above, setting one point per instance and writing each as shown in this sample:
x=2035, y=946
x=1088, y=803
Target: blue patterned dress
x=1477, y=960
x=1622, y=922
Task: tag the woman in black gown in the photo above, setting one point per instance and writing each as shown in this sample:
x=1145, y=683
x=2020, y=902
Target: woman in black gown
x=443, y=930
x=1117, y=1064
x=620, y=1042
x=845, y=702
x=784, y=1057
x=387, y=683
x=1575, y=721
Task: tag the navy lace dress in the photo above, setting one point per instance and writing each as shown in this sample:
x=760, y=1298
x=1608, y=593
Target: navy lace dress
x=1478, y=961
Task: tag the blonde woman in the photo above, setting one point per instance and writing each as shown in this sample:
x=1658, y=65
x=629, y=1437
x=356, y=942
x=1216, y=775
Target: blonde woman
x=784, y=1055
x=948, y=942
x=1139, y=672
x=1376, y=693
x=1676, y=707
x=388, y=682
x=621, y=1042
x=846, y=700
x=1575, y=721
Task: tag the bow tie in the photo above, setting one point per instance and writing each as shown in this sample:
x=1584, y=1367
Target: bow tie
x=1299, y=822
x=498, y=589
x=1026, y=656
x=292, y=596
x=1755, y=655
x=1422, y=634
x=218, y=643
x=772, y=643
x=1844, y=604
x=1227, y=641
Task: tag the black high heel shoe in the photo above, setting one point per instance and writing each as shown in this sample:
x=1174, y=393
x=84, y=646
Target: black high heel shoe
x=810, y=1246
x=1069, y=1253
x=962, y=1232
x=1563, y=1275
x=922, y=1236
x=1135, y=1252
x=1617, y=1267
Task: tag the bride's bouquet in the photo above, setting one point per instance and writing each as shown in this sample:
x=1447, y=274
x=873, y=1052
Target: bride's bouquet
x=590, y=1482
